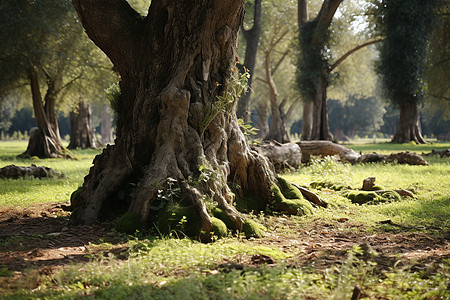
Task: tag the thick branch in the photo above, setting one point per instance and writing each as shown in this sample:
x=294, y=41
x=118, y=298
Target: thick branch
x=344, y=57
x=280, y=61
x=113, y=25
x=324, y=18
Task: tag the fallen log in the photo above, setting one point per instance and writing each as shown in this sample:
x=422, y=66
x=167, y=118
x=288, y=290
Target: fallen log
x=283, y=156
x=15, y=172
x=326, y=148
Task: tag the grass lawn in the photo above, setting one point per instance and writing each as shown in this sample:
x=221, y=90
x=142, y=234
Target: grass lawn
x=396, y=250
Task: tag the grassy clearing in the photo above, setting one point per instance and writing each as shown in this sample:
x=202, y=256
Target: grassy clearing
x=24, y=192
x=167, y=268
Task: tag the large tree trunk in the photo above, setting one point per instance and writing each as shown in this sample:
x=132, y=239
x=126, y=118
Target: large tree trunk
x=177, y=141
x=252, y=39
x=82, y=134
x=106, y=126
x=46, y=142
x=409, y=128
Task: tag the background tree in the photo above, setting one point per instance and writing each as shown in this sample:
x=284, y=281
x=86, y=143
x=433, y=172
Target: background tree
x=251, y=37
x=407, y=27
x=354, y=116
x=316, y=62
x=178, y=141
x=43, y=47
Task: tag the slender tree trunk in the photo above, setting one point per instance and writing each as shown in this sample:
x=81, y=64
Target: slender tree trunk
x=49, y=144
x=177, y=141
x=277, y=128
x=82, y=134
x=106, y=126
x=409, y=128
x=252, y=40
x=263, y=120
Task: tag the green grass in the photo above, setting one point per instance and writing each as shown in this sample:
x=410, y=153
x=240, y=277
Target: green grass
x=23, y=192
x=430, y=184
x=168, y=268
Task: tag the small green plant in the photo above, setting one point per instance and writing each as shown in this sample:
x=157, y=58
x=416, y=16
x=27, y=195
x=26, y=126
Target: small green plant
x=247, y=128
x=236, y=85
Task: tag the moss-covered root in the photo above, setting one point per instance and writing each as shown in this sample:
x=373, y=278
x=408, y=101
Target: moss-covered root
x=128, y=223
x=289, y=200
x=252, y=229
x=372, y=197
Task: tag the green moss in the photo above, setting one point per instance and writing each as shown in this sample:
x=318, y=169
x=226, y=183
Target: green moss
x=289, y=200
x=327, y=185
x=185, y=219
x=391, y=196
x=377, y=188
x=252, y=229
x=220, y=214
x=371, y=197
x=219, y=227
x=250, y=203
x=74, y=201
x=128, y=223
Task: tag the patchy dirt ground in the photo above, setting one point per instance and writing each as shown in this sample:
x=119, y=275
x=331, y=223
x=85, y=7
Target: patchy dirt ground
x=38, y=238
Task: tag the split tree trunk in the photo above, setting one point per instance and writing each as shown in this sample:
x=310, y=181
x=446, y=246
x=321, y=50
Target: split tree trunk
x=171, y=125
x=252, y=38
x=46, y=141
x=409, y=128
x=82, y=134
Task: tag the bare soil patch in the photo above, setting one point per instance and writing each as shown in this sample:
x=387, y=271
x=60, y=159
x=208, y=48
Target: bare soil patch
x=38, y=240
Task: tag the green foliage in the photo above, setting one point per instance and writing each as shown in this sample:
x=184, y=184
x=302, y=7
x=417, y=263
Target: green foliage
x=407, y=27
x=113, y=94
x=128, y=223
x=235, y=86
x=356, y=114
x=312, y=61
x=247, y=128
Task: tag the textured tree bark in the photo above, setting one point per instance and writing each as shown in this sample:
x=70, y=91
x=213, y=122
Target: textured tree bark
x=44, y=142
x=252, y=38
x=82, y=134
x=409, y=128
x=174, y=130
x=106, y=126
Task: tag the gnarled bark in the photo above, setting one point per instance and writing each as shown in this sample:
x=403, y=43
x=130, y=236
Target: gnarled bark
x=178, y=140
